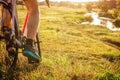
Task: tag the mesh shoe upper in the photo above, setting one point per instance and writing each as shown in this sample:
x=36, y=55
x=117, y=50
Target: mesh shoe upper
x=6, y=32
x=31, y=52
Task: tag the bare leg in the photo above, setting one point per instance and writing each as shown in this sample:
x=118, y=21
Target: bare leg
x=7, y=18
x=32, y=25
x=33, y=20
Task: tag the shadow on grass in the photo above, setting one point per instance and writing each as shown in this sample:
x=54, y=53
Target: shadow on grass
x=111, y=58
x=22, y=67
x=81, y=77
x=112, y=43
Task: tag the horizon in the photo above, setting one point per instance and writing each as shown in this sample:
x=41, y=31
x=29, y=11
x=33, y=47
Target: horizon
x=71, y=0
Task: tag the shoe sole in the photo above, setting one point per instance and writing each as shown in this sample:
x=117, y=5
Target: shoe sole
x=31, y=55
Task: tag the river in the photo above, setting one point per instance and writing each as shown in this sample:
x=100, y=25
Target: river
x=101, y=21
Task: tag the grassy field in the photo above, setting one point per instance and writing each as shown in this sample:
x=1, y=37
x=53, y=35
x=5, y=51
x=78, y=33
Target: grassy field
x=71, y=51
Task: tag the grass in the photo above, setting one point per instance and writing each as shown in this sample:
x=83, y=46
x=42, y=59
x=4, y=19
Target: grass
x=71, y=51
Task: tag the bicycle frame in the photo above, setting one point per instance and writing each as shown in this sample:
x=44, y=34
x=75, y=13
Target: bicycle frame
x=15, y=35
x=24, y=30
x=14, y=11
x=15, y=18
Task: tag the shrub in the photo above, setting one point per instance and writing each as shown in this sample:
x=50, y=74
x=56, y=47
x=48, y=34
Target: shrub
x=108, y=76
x=117, y=22
x=89, y=18
x=108, y=15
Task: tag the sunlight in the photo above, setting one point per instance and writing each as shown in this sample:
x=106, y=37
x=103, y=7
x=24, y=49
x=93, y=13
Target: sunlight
x=72, y=0
x=98, y=21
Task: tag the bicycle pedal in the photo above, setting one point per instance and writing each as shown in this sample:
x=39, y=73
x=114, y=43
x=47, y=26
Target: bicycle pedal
x=11, y=51
x=38, y=42
x=2, y=38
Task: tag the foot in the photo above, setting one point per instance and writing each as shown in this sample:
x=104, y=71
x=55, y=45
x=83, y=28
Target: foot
x=6, y=32
x=31, y=52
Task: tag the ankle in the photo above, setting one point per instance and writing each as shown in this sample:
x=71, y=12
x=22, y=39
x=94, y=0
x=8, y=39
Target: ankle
x=6, y=28
x=29, y=42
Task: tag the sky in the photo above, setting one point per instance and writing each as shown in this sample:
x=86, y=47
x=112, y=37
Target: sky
x=73, y=0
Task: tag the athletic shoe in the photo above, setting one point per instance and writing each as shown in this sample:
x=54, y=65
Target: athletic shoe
x=6, y=32
x=31, y=52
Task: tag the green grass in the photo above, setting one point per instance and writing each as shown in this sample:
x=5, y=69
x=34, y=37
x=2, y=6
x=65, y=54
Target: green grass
x=71, y=51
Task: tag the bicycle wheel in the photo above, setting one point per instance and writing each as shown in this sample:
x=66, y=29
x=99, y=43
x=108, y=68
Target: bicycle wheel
x=9, y=63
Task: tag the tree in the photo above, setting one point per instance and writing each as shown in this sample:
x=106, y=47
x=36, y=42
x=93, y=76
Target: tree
x=112, y=4
x=89, y=6
x=79, y=5
x=116, y=10
x=104, y=5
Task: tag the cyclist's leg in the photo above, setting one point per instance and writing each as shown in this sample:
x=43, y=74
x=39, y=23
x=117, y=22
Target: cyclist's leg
x=7, y=18
x=32, y=26
x=6, y=25
x=33, y=20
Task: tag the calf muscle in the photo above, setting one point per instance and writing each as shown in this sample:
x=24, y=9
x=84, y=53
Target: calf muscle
x=33, y=20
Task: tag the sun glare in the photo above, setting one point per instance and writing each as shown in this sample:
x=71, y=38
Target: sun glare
x=72, y=0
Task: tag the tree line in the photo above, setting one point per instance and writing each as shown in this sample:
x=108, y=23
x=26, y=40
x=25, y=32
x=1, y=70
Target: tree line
x=113, y=5
x=108, y=8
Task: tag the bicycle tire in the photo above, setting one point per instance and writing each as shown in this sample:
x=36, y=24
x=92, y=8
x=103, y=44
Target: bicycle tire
x=17, y=36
